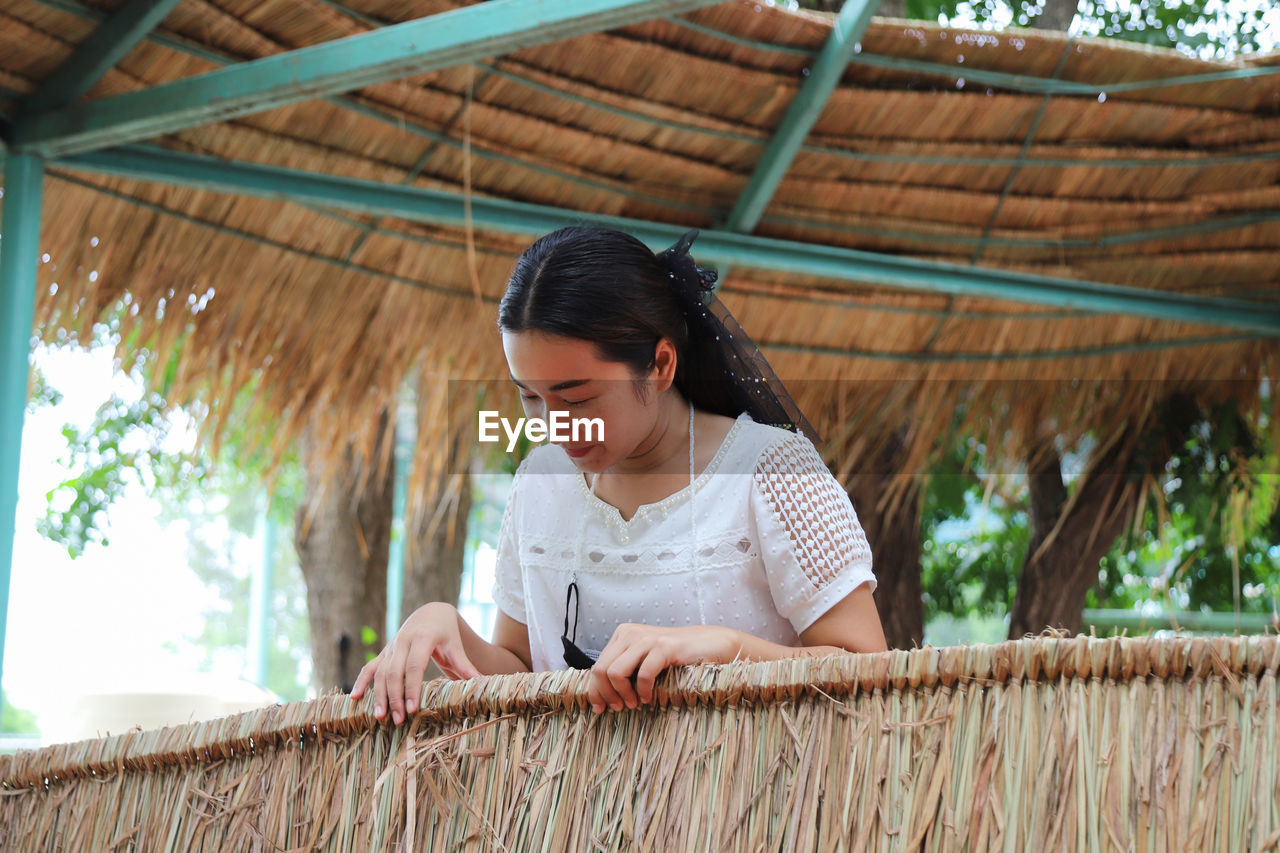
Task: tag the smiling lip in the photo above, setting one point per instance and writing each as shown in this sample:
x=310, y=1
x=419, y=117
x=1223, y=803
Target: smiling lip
x=580, y=452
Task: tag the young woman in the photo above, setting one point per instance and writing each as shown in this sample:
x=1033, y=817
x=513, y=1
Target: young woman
x=696, y=529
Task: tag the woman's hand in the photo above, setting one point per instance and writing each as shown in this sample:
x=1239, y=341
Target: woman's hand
x=643, y=651
x=432, y=632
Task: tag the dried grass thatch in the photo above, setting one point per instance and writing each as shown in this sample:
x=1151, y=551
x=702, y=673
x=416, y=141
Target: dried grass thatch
x=1172, y=188
x=1043, y=743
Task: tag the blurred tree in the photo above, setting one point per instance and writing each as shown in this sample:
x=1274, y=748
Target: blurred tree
x=892, y=526
x=1202, y=532
x=1071, y=532
x=1201, y=27
x=129, y=442
x=342, y=547
x=1213, y=543
x=342, y=532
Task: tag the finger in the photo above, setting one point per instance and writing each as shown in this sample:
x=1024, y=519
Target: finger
x=395, y=684
x=594, y=697
x=601, y=680
x=364, y=679
x=621, y=670
x=380, y=688
x=415, y=672
x=658, y=659
x=606, y=695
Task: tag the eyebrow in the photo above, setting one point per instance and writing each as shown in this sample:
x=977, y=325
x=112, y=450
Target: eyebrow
x=559, y=386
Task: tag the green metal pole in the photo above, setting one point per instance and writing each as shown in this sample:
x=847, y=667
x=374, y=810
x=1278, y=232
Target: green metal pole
x=1225, y=623
x=260, y=595
x=19, y=250
x=395, y=559
x=718, y=247
x=802, y=114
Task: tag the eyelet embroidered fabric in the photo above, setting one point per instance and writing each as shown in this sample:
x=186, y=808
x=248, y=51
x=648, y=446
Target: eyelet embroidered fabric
x=693, y=528
x=815, y=510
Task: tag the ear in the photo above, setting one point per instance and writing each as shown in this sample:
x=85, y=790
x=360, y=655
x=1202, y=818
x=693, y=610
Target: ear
x=664, y=365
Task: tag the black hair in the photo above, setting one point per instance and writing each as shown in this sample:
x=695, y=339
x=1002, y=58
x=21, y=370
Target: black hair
x=608, y=288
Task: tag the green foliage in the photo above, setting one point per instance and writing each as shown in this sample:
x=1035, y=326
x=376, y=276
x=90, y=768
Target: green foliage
x=17, y=721
x=1199, y=27
x=1213, y=547
x=41, y=394
x=123, y=443
x=972, y=542
x=130, y=442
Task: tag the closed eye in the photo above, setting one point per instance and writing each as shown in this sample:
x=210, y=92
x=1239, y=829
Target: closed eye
x=533, y=397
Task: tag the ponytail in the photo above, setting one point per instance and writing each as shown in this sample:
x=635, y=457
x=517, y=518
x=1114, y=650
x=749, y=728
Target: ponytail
x=607, y=287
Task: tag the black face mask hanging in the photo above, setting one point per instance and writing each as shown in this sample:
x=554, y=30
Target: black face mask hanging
x=573, y=656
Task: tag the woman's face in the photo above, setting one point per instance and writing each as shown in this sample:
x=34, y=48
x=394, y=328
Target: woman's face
x=559, y=374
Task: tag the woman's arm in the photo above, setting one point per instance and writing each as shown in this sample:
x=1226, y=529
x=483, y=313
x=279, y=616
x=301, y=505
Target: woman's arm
x=852, y=625
x=509, y=637
x=643, y=651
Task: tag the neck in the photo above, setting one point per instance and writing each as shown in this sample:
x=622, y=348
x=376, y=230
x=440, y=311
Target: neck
x=667, y=448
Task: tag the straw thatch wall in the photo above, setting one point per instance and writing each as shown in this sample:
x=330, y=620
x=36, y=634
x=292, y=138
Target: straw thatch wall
x=1043, y=743
x=328, y=312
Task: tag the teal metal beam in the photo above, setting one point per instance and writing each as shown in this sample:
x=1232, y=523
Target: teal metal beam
x=1208, y=225
x=455, y=37
x=533, y=220
x=19, y=258
x=834, y=298
x=1191, y=620
x=98, y=54
x=1043, y=86
x=1179, y=159
x=1027, y=141
x=802, y=114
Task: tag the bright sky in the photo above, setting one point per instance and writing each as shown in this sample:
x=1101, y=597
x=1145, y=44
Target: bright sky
x=103, y=620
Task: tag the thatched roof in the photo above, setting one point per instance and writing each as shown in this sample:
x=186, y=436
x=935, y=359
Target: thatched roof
x=1170, y=188
x=1041, y=743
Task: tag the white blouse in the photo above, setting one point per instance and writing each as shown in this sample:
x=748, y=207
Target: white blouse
x=778, y=544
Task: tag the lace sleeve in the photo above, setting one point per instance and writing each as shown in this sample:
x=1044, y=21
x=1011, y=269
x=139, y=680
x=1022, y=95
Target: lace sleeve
x=508, y=581
x=815, y=551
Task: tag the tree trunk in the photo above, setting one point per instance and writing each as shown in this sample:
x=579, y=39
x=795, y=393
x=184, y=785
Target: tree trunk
x=1056, y=15
x=433, y=558
x=892, y=9
x=895, y=547
x=343, y=546
x=1056, y=576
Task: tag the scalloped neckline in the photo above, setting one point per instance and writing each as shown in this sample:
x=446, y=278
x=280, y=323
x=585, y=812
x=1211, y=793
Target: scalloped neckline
x=644, y=510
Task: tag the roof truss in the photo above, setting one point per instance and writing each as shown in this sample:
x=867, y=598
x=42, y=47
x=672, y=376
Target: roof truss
x=802, y=114
x=850, y=265
x=450, y=38
x=98, y=54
